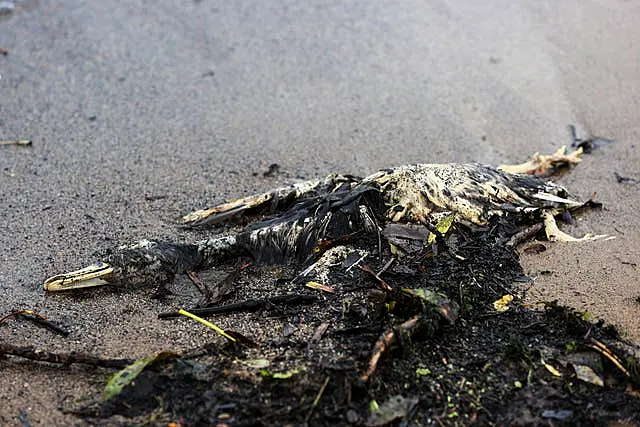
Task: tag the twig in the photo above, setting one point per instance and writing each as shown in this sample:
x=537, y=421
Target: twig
x=249, y=305
x=317, y=399
x=317, y=335
x=43, y=321
x=373, y=274
x=356, y=263
x=17, y=142
x=622, y=179
x=604, y=350
x=386, y=340
x=523, y=235
x=36, y=318
x=31, y=353
x=385, y=268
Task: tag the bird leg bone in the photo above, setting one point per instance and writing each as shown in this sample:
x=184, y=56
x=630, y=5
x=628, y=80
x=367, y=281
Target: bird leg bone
x=545, y=165
x=555, y=235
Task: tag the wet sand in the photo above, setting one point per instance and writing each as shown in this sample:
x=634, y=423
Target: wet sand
x=190, y=102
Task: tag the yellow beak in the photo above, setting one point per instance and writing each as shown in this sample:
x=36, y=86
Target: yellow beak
x=86, y=277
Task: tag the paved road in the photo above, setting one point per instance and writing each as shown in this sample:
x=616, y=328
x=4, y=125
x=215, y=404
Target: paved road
x=188, y=102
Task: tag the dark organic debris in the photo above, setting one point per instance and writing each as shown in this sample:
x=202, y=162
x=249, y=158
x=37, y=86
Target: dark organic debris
x=589, y=144
x=273, y=170
x=483, y=369
x=154, y=197
x=38, y=319
x=535, y=248
x=23, y=417
x=424, y=313
x=622, y=179
x=395, y=408
x=220, y=291
x=4, y=51
x=248, y=305
x=242, y=339
x=317, y=335
x=523, y=235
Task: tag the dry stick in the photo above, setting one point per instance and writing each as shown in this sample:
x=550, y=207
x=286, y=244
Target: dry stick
x=386, y=340
x=36, y=318
x=523, y=235
x=385, y=268
x=317, y=399
x=43, y=321
x=249, y=305
x=31, y=353
x=317, y=335
x=384, y=285
x=604, y=350
x=17, y=142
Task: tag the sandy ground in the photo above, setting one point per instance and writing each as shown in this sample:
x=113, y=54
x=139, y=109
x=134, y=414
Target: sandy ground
x=188, y=100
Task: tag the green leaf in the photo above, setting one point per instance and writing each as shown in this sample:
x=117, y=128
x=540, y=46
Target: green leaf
x=285, y=375
x=279, y=375
x=442, y=226
x=421, y=372
x=124, y=377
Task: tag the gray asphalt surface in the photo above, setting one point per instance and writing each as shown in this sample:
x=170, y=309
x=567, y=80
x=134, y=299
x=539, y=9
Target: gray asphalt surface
x=192, y=100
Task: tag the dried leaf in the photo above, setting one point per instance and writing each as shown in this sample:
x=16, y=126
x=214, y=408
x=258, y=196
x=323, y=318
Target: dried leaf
x=320, y=286
x=255, y=363
x=395, y=250
x=550, y=368
x=317, y=335
x=588, y=375
x=502, y=304
x=394, y=408
x=445, y=306
x=239, y=338
x=279, y=375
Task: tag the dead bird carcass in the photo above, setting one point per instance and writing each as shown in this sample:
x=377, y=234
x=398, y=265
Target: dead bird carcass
x=305, y=218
